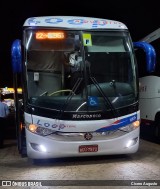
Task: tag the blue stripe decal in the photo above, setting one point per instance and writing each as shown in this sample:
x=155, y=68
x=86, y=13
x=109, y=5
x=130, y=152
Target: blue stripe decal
x=117, y=124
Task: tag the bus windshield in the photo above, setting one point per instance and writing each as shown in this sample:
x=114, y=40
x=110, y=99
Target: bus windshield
x=80, y=71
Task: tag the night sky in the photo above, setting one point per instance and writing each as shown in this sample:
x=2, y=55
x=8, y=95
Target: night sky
x=141, y=19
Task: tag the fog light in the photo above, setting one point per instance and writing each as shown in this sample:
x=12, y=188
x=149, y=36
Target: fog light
x=132, y=142
x=38, y=147
x=42, y=148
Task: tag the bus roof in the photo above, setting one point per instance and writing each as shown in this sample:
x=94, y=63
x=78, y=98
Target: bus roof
x=74, y=22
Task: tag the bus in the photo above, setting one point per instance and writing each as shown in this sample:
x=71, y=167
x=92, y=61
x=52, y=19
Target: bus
x=80, y=87
x=150, y=92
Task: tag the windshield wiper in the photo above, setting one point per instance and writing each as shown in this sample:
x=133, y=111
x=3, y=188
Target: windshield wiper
x=115, y=113
x=75, y=87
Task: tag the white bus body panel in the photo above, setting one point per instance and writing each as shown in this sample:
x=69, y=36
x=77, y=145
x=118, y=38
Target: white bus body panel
x=70, y=148
x=56, y=149
x=74, y=22
x=149, y=97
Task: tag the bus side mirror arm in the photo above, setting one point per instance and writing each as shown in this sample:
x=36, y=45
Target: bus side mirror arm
x=150, y=54
x=16, y=56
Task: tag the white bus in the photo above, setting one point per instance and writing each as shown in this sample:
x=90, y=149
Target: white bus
x=150, y=92
x=80, y=87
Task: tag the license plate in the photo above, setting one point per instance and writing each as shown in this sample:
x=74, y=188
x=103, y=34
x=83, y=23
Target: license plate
x=88, y=148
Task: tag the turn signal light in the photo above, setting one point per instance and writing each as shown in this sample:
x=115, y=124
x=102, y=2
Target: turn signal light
x=136, y=123
x=32, y=127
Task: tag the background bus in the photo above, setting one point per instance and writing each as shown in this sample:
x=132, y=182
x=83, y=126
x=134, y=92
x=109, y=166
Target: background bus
x=80, y=86
x=150, y=91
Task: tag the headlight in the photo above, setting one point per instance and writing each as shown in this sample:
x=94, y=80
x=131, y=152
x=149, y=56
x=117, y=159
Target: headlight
x=44, y=131
x=38, y=130
x=131, y=126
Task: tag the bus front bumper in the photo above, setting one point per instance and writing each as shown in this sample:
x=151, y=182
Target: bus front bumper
x=39, y=147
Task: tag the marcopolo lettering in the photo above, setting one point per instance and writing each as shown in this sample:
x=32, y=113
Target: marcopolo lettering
x=86, y=116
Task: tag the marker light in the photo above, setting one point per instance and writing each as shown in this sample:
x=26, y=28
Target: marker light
x=49, y=35
x=21, y=126
x=32, y=127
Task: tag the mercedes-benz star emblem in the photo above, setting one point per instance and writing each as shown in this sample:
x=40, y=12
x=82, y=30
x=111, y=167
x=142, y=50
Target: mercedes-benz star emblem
x=88, y=136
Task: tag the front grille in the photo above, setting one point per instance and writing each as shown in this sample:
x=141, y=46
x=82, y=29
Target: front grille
x=79, y=136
